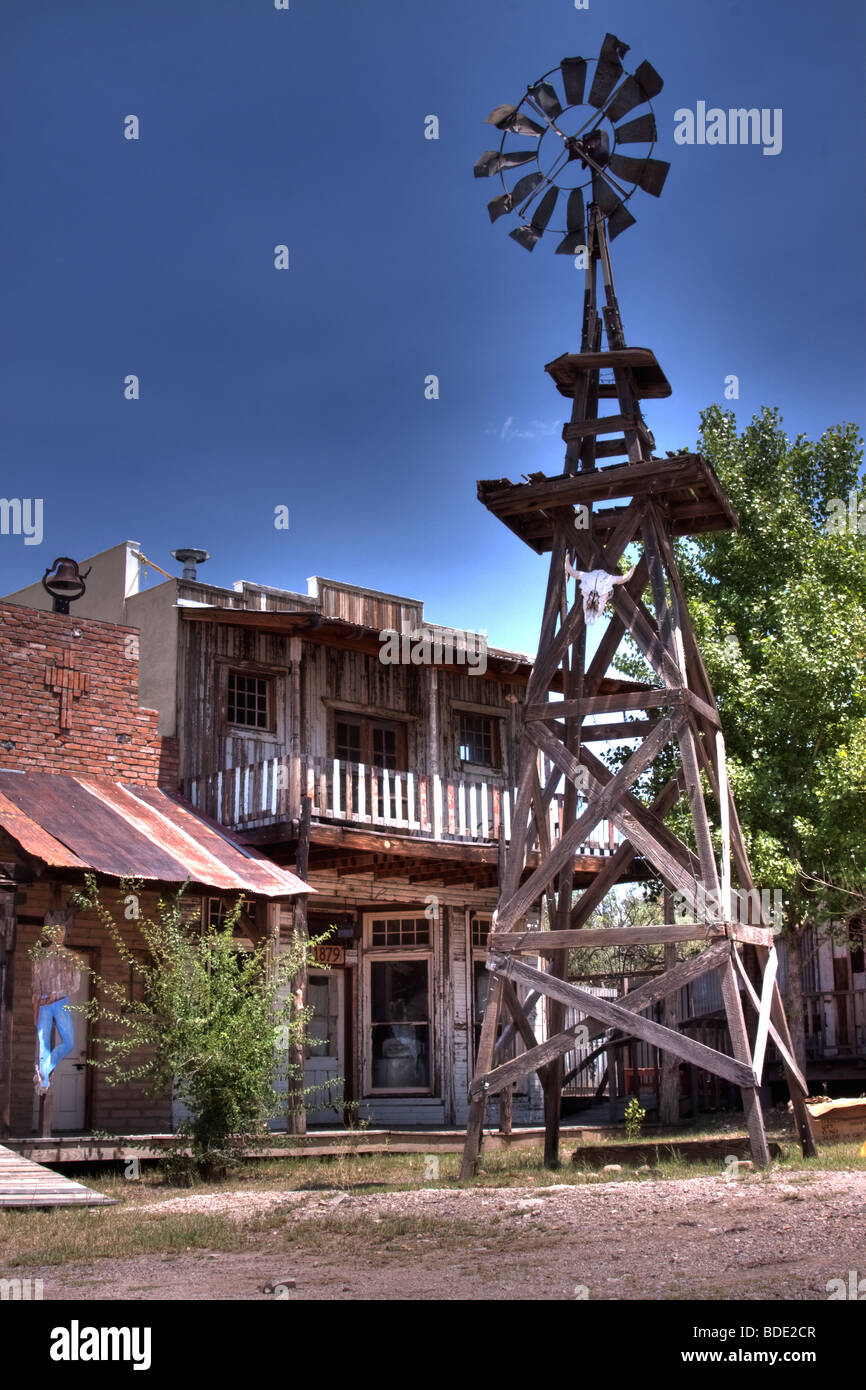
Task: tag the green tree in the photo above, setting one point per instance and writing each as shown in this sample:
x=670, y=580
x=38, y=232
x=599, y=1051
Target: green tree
x=779, y=608
x=210, y=1022
x=620, y=909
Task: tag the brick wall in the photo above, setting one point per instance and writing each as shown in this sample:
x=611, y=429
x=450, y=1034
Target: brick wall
x=108, y=734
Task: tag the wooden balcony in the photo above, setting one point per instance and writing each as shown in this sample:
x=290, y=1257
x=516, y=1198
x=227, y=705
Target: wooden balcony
x=455, y=809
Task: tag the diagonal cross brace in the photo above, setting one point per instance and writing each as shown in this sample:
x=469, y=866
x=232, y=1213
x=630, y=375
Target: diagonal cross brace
x=616, y=1016
x=759, y=1005
x=517, y=906
x=640, y=998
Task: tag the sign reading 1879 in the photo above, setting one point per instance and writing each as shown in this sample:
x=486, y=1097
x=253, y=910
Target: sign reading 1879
x=329, y=955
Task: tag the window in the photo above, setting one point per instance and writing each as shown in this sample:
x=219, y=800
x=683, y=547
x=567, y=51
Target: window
x=477, y=739
x=218, y=909
x=400, y=1024
x=400, y=931
x=373, y=742
x=399, y=963
x=249, y=700
x=479, y=932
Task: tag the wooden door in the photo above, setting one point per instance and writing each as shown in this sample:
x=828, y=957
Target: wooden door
x=69, y=1079
x=323, y=1068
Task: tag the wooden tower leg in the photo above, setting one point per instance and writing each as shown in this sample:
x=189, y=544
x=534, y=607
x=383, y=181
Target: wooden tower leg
x=483, y=1064
x=742, y=1052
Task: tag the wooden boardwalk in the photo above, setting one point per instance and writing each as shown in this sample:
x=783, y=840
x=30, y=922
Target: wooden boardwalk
x=24, y=1183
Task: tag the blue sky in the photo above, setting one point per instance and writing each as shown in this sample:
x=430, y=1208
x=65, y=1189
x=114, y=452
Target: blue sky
x=305, y=388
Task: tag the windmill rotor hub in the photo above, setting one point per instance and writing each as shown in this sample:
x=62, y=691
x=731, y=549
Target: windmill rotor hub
x=572, y=118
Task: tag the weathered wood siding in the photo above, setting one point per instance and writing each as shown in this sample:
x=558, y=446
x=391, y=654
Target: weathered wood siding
x=309, y=682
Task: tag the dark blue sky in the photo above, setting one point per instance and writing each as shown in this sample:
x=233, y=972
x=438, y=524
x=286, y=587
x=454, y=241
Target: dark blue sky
x=306, y=387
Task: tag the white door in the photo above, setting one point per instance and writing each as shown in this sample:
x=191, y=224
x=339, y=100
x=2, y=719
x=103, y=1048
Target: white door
x=69, y=1078
x=323, y=1068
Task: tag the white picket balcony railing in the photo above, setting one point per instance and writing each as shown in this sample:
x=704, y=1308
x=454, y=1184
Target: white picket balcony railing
x=409, y=803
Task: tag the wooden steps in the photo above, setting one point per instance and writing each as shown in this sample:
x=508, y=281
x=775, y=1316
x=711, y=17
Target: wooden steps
x=24, y=1183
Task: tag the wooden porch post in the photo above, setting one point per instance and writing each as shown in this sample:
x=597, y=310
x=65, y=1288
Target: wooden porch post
x=8, y=925
x=669, y=1091
x=296, y=1114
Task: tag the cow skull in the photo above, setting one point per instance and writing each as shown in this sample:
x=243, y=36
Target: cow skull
x=596, y=587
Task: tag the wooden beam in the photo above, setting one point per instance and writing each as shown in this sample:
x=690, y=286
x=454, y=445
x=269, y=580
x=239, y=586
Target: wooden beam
x=664, y=985
x=784, y=1048
x=483, y=1064
x=740, y=1043
x=641, y=998
x=544, y=943
x=622, y=859
x=669, y=855
x=510, y=1029
x=617, y=1016
x=296, y=1114
x=597, y=810
x=651, y=698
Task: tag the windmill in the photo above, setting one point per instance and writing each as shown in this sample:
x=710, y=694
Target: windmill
x=611, y=495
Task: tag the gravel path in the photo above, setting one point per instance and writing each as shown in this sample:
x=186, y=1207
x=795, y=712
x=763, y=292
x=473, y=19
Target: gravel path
x=783, y=1237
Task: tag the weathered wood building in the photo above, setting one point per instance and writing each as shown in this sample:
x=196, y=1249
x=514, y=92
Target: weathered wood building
x=407, y=751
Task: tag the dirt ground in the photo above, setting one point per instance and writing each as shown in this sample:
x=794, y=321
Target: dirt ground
x=782, y=1237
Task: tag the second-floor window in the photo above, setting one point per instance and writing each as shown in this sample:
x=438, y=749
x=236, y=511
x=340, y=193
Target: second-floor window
x=249, y=700
x=374, y=742
x=478, y=739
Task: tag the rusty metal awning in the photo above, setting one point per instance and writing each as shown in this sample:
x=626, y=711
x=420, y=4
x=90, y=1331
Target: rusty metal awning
x=129, y=831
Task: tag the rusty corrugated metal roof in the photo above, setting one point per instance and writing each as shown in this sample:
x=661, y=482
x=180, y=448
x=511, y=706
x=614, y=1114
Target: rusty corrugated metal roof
x=131, y=831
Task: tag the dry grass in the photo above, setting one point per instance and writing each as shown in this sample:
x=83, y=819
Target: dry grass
x=61, y=1235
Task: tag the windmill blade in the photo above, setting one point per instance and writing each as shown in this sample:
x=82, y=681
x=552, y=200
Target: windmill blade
x=608, y=70
x=522, y=189
x=509, y=118
x=638, y=132
x=519, y=193
x=618, y=222
x=604, y=196
x=528, y=236
x=645, y=84
x=544, y=95
x=494, y=161
x=500, y=206
x=573, y=79
x=571, y=243
x=575, y=221
x=611, y=206
x=648, y=174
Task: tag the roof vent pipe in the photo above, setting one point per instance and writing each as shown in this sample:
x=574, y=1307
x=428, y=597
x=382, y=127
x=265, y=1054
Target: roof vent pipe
x=190, y=559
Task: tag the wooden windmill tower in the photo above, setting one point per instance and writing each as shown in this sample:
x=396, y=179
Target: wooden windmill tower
x=587, y=517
